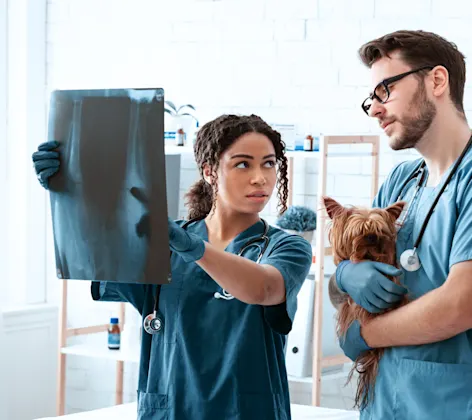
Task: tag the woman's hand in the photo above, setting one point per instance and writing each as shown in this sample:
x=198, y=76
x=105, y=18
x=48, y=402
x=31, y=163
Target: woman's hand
x=188, y=245
x=46, y=162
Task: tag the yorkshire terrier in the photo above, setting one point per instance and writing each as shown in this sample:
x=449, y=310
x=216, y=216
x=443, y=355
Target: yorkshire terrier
x=358, y=234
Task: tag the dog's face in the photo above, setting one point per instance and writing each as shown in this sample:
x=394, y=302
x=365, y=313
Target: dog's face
x=358, y=234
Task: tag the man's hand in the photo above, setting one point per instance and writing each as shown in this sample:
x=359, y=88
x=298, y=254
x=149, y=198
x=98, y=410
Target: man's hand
x=368, y=286
x=353, y=344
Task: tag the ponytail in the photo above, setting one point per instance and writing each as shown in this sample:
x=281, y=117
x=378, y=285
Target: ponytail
x=199, y=199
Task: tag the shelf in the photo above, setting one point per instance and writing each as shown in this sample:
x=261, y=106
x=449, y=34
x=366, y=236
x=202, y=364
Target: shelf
x=102, y=352
x=316, y=154
x=184, y=150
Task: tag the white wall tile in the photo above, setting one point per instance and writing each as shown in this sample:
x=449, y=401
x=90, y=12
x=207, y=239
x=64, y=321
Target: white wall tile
x=248, y=31
x=468, y=99
x=306, y=63
x=335, y=32
x=57, y=12
x=402, y=8
x=352, y=186
x=197, y=31
x=452, y=8
x=289, y=30
x=345, y=9
x=294, y=9
x=238, y=10
x=179, y=11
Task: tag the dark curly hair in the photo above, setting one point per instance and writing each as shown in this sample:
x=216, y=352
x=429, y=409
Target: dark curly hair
x=212, y=140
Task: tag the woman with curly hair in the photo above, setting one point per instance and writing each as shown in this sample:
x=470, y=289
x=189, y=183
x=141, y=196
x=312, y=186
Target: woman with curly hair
x=220, y=354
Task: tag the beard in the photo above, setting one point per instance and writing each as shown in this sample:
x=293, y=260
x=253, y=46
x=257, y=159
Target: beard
x=415, y=127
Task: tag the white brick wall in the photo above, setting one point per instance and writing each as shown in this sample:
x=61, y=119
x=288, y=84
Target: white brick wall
x=288, y=61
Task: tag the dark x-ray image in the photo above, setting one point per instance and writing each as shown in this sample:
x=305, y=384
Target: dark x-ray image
x=108, y=200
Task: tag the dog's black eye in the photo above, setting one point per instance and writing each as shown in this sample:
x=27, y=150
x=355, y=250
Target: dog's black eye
x=371, y=239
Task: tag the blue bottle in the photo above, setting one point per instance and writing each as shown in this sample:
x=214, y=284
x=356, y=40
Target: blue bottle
x=114, y=334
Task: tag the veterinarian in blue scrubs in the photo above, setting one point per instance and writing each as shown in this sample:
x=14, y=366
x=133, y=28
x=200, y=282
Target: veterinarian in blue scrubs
x=426, y=371
x=219, y=353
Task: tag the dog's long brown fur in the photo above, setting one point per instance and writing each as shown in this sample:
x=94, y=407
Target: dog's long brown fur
x=360, y=234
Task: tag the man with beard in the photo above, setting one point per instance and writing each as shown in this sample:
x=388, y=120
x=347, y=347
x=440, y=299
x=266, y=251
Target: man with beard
x=426, y=370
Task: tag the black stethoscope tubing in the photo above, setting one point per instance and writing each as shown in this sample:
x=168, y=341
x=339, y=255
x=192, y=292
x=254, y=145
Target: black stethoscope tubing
x=420, y=169
x=154, y=320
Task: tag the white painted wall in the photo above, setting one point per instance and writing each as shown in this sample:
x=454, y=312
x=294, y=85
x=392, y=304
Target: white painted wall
x=3, y=365
x=288, y=61
x=28, y=340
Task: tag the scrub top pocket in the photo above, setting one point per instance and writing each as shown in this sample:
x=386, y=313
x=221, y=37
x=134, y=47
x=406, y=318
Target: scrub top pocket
x=430, y=391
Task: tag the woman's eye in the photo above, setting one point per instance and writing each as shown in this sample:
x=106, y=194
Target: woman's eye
x=269, y=164
x=242, y=165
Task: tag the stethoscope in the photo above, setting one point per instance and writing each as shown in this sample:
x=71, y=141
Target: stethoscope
x=409, y=259
x=154, y=323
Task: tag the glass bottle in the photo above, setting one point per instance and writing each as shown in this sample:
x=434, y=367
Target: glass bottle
x=114, y=334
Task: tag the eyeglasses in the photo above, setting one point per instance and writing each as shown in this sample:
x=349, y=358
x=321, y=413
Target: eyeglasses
x=382, y=92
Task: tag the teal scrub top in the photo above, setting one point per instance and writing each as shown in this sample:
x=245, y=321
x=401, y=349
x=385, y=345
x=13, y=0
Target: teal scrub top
x=216, y=358
x=432, y=381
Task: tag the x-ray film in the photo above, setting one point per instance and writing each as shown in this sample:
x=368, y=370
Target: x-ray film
x=108, y=200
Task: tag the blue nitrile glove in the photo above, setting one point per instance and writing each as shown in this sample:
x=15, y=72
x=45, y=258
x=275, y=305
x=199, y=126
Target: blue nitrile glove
x=353, y=344
x=46, y=162
x=368, y=286
x=188, y=245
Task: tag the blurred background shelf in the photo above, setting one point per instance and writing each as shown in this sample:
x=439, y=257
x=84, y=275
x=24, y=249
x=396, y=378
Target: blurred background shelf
x=101, y=352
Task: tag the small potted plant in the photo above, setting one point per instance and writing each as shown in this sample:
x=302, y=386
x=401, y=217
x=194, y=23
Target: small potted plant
x=298, y=220
x=181, y=117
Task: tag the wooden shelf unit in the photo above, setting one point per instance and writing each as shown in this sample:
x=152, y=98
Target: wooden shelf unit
x=321, y=251
x=84, y=350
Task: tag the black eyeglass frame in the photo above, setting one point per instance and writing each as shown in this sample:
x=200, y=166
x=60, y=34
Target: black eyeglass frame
x=385, y=84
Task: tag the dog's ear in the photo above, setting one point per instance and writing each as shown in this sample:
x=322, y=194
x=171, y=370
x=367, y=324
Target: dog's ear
x=396, y=209
x=332, y=207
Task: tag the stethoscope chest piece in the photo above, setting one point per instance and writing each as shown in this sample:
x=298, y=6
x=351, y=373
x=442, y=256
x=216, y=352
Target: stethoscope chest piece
x=153, y=324
x=409, y=260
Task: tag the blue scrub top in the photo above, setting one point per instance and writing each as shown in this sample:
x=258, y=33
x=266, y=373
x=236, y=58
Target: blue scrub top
x=432, y=381
x=215, y=358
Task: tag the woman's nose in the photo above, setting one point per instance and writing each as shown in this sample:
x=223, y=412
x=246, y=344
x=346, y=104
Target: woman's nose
x=258, y=177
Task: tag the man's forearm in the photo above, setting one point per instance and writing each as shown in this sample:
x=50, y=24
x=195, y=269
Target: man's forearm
x=434, y=317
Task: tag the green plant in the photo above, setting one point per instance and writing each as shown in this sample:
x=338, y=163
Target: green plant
x=171, y=109
x=298, y=218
